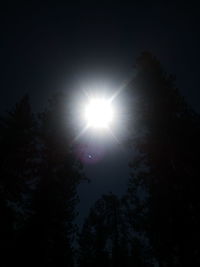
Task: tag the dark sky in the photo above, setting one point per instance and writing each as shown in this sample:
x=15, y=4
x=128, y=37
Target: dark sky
x=46, y=47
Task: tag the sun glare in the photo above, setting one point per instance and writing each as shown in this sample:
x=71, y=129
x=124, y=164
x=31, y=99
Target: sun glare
x=99, y=113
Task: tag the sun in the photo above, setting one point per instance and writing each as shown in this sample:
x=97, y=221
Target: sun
x=99, y=113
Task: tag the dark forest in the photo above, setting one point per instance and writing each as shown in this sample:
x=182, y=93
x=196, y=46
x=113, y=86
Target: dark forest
x=155, y=222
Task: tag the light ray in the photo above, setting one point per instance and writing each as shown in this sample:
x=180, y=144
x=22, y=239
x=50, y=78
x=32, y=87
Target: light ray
x=121, y=88
x=81, y=133
x=112, y=134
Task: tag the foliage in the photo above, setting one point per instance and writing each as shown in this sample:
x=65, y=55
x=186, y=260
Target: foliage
x=106, y=239
x=169, y=150
x=39, y=177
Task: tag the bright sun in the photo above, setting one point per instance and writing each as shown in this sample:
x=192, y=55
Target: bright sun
x=99, y=113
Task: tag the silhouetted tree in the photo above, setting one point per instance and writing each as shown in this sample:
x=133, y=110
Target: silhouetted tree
x=48, y=235
x=166, y=134
x=105, y=236
x=18, y=168
x=135, y=209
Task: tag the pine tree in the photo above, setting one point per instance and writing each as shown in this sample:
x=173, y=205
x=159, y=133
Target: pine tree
x=104, y=239
x=167, y=138
x=17, y=156
x=48, y=237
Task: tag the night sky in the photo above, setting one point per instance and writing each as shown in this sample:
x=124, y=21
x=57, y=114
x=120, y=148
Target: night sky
x=45, y=48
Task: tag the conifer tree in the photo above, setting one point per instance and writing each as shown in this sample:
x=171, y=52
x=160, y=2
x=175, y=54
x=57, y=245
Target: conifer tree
x=105, y=236
x=18, y=153
x=166, y=134
x=48, y=237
